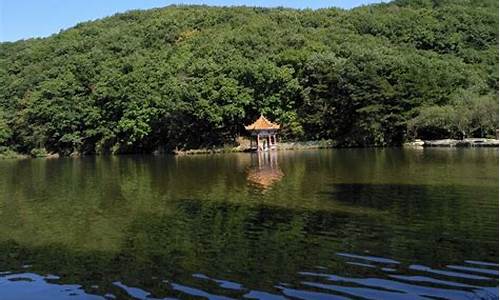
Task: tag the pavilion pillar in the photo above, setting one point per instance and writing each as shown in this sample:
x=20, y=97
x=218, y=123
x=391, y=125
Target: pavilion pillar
x=258, y=142
x=269, y=142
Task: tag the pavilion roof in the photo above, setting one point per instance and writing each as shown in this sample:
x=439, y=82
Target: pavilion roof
x=262, y=123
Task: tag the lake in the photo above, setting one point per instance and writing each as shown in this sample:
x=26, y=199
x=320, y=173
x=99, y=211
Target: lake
x=318, y=224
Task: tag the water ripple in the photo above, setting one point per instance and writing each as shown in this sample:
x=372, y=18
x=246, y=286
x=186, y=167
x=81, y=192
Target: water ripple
x=387, y=279
x=474, y=270
x=370, y=258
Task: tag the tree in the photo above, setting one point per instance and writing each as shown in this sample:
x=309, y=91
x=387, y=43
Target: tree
x=5, y=131
x=192, y=76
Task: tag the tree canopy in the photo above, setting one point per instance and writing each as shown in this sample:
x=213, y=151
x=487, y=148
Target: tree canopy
x=192, y=76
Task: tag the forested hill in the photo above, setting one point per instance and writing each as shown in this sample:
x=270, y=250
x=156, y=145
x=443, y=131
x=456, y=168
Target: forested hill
x=192, y=76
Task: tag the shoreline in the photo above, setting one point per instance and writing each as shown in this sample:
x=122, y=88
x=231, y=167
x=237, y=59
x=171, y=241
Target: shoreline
x=285, y=146
x=452, y=143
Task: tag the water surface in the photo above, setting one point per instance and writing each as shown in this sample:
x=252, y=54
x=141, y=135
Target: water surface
x=325, y=224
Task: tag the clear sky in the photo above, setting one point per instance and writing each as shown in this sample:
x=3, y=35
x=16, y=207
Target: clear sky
x=21, y=19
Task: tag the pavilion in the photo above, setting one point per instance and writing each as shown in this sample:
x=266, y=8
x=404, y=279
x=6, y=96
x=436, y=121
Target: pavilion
x=264, y=132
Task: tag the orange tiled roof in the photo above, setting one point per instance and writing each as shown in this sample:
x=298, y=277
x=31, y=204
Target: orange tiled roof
x=262, y=124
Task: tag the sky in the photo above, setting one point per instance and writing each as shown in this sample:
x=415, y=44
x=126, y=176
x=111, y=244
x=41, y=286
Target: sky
x=22, y=19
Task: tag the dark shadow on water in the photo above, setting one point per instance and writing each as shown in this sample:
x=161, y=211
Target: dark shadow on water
x=384, y=196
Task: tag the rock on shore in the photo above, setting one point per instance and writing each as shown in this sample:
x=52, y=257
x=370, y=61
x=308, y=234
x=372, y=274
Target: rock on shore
x=472, y=142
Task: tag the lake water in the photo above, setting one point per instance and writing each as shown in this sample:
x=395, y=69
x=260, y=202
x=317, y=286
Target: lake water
x=325, y=224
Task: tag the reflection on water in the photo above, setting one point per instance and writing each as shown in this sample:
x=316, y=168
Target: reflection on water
x=30, y=286
x=337, y=224
x=264, y=170
x=393, y=281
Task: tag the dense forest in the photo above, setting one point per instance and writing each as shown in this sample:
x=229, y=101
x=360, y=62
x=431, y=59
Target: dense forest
x=184, y=77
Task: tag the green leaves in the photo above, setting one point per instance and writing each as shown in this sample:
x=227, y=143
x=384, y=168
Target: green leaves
x=470, y=115
x=192, y=76
x=5, y=131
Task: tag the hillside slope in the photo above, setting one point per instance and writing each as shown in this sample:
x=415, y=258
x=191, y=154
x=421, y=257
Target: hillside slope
x=192, y=76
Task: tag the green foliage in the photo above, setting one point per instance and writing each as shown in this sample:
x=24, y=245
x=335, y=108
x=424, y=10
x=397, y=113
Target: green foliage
x=38, y=152
x=5, y=131
x=7, y=153
x=191, y=76
x=466, y=117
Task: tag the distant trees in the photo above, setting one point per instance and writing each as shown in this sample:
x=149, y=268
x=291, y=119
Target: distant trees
x=467, y=117
x=192, y=76
x=5, y=131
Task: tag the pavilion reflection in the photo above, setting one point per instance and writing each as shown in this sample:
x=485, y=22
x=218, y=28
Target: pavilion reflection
x=264, y=170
